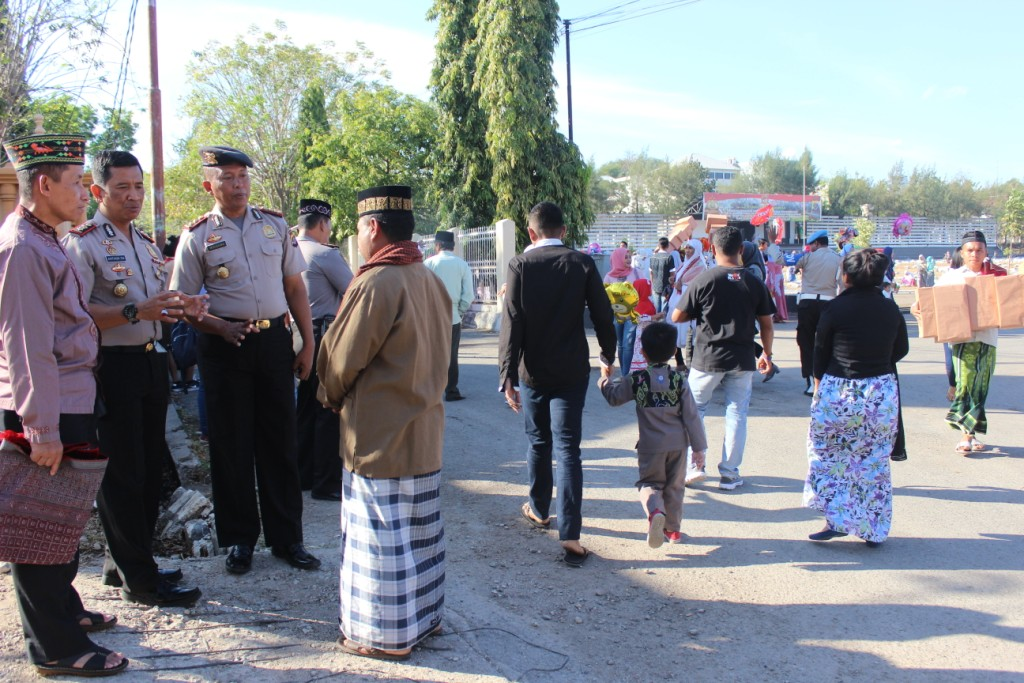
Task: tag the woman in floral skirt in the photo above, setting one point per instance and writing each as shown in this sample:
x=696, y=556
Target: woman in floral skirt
x=854, y=412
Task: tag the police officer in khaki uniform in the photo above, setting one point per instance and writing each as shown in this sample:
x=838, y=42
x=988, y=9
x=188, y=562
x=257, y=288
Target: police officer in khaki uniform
x=251, y=268
x=124, y=282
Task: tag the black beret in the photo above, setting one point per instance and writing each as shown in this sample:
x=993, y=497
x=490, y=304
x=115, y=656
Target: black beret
x=973, y=236
x=314, y=206
x=218, y=155
x=384, y=198
x=46, y=148
x=444, y=237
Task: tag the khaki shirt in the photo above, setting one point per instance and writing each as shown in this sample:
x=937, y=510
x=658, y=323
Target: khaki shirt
x=820, y=272
x=243, y=270
x=107, y=260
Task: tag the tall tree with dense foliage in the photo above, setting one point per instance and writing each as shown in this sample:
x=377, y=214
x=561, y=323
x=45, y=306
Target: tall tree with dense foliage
x=462, y=169
x=772, y=173
x=1012, y=222
x=844, y=196
x=248, y=95
x=495, y=91
x=313, y=125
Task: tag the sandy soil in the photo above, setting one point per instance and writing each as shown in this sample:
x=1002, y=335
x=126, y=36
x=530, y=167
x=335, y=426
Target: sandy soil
x=747, y=599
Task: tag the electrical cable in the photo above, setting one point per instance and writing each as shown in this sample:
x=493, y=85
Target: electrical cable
x=625, y=16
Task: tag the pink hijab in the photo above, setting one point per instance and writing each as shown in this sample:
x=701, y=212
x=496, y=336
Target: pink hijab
x=620, y=263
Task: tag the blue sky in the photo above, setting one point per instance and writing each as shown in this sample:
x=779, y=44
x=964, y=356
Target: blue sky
x=862, y=83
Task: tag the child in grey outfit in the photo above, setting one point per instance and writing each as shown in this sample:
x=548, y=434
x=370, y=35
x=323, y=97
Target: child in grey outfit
x=669, y=424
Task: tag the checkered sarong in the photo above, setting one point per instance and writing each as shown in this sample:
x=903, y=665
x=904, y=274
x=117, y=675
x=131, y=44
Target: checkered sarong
x=392, y=559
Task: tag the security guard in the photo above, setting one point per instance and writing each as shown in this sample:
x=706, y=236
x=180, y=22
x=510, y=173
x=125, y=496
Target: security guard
x=327, y=276
x=251, y=268
x=124, y=282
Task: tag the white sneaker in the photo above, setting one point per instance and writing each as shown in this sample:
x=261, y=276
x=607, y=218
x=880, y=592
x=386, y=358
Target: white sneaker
x=695, y=476
x=656, y=530
x=729, y=484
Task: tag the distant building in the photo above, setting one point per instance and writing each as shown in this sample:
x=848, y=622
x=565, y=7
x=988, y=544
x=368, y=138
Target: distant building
x=721, y=171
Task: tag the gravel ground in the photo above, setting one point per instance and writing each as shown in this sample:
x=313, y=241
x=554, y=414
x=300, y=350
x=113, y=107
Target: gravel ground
x=747, y=599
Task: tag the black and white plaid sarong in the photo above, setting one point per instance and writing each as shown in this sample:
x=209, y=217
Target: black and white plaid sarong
x=392, y=559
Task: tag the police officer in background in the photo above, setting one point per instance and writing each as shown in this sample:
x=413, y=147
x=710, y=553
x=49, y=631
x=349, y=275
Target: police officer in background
x=251, y=268
x=819, y=284
x=327, y=276
x=124, y=282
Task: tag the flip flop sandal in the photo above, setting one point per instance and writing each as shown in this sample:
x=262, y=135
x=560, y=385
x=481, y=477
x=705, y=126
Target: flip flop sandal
x=97, y=621
x=963, y=447
x=977, y=446
x=575, y=560
x=527, y=514
x=93, y=666
x=353, y=648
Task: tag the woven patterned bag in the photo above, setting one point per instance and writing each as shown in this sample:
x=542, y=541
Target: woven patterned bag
x=41, y=516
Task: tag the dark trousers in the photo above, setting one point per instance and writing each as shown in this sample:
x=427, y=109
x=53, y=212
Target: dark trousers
x=135, y=390
x=47, y=600
x=250, y=395
x=453, y=362
x=319, y=436
x=554, y=426
x=808, y=313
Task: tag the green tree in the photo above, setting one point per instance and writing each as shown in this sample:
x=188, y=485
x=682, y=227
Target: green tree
x=42, y=44
x=865, y=232
x=771, y=173
x=248, y=95
x=887, y=196
x=381, y=137
x=494, y=88
x=679, y=188
x=845, y=195
x=117, y=131
x=461, y=166
x=1012, y=221
x=60, y=113
x=313, y=125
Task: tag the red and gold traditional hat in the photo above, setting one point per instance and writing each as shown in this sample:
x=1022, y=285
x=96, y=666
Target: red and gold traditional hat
x=46, y=148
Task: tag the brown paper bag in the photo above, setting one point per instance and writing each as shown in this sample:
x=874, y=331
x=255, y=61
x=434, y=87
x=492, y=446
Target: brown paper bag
x=952, y=317
x=1010, y=298
x=981, y=300
x=926, y=321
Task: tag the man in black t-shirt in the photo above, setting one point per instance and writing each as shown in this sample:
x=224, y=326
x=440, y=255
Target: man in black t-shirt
x=661, y=274
x=725, y=301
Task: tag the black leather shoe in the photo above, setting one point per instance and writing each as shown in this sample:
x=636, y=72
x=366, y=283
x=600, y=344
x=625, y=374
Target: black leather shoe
x=455, y=396
x=172, y=575
x=167, y=594
x=297, y=556
x=333, y=495
x=826, y=534
x=239, y=559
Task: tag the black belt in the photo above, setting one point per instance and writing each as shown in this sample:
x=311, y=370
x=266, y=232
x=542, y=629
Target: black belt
x=260, y=324
x=139, y=348
x=320, y=325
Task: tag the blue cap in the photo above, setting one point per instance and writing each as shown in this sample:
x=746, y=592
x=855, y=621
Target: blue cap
x=818, y=235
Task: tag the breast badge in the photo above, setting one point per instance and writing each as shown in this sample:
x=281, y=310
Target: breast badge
x=269, y=232
x=120, y=289
x=223, y=272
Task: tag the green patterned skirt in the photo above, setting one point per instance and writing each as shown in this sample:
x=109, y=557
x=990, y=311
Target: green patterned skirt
x=973, y=365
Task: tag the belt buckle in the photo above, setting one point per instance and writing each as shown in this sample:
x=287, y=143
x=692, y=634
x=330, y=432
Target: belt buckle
x=150, y=346
x=262, y=324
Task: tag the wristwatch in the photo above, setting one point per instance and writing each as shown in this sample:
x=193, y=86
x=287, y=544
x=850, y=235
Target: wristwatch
x=131, y=312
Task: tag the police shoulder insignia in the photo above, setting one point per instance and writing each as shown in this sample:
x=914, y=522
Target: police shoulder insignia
x=271, y=212
x=83, y=229
x=199, y=221
x=145, y=236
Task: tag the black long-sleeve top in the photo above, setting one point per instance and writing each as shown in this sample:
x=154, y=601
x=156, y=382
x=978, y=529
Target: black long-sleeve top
x=861, y=334
x=542, y=340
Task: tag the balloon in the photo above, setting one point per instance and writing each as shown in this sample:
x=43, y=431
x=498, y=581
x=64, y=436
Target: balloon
x=902, y=225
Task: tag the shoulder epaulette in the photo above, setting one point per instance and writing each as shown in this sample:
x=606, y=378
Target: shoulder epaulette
x=271, y=212
x=199, y=221
x=145, y=236
x=83, y=229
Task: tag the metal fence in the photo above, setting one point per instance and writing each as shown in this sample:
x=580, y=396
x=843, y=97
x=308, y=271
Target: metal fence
x=480, y=252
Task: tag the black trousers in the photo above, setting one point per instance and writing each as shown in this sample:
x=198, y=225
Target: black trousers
x=135, y=389
x=453, y=362
x=250, y=400
x=319, y=435
x=47, y=601
x=808, y=313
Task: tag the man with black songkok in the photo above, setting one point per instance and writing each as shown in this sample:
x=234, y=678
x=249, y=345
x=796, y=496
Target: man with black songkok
x=327, y=276
x=252, y=270
x=458, y=280
x=378, y=367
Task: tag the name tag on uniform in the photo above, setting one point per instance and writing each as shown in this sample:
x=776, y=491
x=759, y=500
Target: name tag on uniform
x=116, y=258
x=216, y=245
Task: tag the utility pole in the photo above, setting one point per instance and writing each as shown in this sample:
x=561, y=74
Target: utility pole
x=568, y=75
x=156, y=132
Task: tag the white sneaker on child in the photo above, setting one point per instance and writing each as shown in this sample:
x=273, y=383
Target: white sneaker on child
x=656, y=530
x=695, y=476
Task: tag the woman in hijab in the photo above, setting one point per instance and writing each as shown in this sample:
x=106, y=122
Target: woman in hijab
x=693, y=265
x=622, y=270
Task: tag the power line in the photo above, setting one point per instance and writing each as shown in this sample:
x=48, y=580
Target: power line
x=624, y=15
x=122, y=74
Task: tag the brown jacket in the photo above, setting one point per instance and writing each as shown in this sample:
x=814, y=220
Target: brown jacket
x=384, y=364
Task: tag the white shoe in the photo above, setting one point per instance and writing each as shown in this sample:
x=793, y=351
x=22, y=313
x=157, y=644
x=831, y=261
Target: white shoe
x=656, y=529
x=695, y=476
